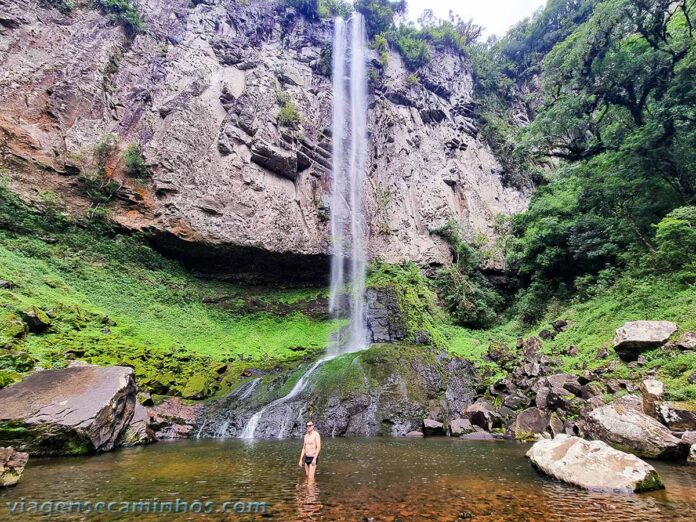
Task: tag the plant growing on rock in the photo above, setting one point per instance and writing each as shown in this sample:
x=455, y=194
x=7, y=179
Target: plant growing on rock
x=95, y=181
x=135, y=166
x=288, y=116
x=124, y=12
x=467, y=295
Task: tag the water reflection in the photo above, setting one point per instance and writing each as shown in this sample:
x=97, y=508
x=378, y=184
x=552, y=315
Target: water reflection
x=307, y=503
x=383, y=479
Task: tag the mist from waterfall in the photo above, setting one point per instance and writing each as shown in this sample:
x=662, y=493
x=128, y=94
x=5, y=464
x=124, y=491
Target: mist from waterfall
x=349, y=258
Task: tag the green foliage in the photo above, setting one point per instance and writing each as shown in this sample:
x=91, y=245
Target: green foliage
x=466, y=293
x=135, y=166
x=413, y=49
x=64, y=6
x=618, y=117
x=95, y=182
x=318, y=9
x=288, y=116
x=114, y=300
x=379, y=14
x=414, y=293
x=124, y=12
x=675, y=241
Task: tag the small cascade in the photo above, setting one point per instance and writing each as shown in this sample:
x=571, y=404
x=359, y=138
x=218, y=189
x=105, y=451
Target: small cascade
x=349, y=256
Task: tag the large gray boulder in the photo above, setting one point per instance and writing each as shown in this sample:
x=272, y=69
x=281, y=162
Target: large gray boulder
x=72, y=411
x=12, y=465
x=593, y=465
x=635, y=337
x=629, y=429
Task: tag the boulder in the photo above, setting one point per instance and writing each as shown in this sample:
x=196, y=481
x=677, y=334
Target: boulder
x=414, y=434
x=75, y=410
x=481, y=413
x=637, y=336
x=433, y=428
x=691, y=458
x=12, y=465
x=593, y=465
x=689, y=438
x=687, y=341
x=556, y=425
x=592, y=389
x=138, y=431
x=529, y=424
x=174, y=420
x=459, y=427
x=36, y=320
x=628, y=429
x=652, y=391
x=386, y=319
x=678, y=416
x=516, y=401
x=196, y=387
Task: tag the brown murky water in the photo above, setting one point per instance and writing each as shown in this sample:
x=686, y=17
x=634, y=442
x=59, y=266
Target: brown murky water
x=380, y=478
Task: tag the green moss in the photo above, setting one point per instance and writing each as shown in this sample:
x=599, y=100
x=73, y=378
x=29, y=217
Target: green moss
x=417, y=300
x=650, y=483
x=114, y=300
x=197, y=387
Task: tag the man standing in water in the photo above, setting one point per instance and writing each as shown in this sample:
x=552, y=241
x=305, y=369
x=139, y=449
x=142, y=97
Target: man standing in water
x=310, y=451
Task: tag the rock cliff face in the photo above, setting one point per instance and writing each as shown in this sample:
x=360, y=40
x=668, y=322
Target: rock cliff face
x=237, y=186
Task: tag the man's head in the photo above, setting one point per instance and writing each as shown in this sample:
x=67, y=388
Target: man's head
x=310, y=427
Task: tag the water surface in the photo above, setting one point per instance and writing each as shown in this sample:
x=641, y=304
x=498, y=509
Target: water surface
x=381, y=478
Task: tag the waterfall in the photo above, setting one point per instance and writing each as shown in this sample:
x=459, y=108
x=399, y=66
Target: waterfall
x=349, y=154
x=349, y=258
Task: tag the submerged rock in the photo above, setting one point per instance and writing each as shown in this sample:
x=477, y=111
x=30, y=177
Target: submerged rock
x=637, y=336
x=626, y=427
x=593, y=465
x=12, y=465
x=76, y=410
x=414, y=434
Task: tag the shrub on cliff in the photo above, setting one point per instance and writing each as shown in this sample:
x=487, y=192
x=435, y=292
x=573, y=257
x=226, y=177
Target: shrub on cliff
x=135, y=166
x=380, y=14
x=467, y=295
x=124, y=12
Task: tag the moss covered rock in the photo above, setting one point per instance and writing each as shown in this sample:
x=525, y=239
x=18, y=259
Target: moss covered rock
x=36, y=320
x=197, y=387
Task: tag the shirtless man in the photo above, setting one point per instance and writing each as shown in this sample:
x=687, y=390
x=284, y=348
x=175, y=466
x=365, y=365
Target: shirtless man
x=310, y=451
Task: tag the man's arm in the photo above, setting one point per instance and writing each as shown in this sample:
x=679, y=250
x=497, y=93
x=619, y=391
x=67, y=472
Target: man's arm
x=318, y=446
x=302, y=454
